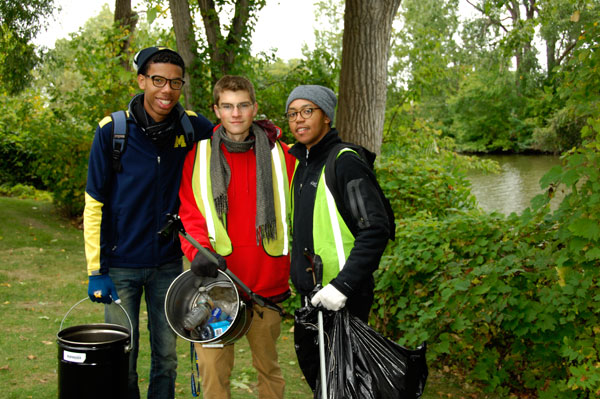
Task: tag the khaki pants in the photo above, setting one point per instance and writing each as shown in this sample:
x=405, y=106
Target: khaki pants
x=215, y=364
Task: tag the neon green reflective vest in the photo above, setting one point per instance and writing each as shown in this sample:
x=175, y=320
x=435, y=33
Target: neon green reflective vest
x=217, y=231
x=332, y=239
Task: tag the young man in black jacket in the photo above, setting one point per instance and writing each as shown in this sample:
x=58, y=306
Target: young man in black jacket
x=349, y=236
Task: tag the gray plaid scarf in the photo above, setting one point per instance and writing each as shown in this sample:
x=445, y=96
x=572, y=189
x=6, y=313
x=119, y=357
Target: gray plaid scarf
x=220, y=174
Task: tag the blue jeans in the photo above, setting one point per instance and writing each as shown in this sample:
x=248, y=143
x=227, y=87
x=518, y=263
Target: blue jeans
x=154, y=283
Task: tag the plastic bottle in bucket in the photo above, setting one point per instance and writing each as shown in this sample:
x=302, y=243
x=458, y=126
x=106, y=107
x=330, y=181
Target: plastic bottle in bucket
x=200, y=313
x=214, y=330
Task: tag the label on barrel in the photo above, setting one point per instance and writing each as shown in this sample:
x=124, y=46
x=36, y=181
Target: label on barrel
x=73, y=357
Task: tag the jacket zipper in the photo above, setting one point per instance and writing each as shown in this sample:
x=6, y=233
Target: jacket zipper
x=158, y=208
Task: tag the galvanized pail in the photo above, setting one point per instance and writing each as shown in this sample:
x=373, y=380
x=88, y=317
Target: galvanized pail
x=230, y=316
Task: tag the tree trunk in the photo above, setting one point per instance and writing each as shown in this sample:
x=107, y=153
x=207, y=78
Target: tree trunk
x=363, y=78
x=186, y=44
x=550, y=56
x=223, y=51
x=126, y=19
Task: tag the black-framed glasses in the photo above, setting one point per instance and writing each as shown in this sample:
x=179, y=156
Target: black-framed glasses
x=305, y=112
x=160, y=81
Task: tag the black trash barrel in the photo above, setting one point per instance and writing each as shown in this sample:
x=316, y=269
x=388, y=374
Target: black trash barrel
x=93, y=361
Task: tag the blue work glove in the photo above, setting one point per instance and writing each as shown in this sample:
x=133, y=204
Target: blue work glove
x=102, y=289
x=203, y=267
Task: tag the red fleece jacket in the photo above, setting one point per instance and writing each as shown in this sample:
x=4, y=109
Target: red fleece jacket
x=265, y=275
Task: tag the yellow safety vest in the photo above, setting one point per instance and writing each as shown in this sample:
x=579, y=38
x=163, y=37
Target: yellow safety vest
x=332, y=239
x=217, y=231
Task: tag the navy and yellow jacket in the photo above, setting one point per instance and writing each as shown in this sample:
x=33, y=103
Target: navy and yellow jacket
x=125, y=210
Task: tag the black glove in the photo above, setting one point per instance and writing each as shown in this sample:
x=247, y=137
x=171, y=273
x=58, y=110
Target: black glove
x=203, y=267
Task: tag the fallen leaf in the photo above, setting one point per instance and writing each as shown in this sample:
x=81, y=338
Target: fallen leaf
x=47, y=342
x=4, y=367
x=32, y=357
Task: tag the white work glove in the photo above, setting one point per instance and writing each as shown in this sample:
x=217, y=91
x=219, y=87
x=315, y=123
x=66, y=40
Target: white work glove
x=330, y=298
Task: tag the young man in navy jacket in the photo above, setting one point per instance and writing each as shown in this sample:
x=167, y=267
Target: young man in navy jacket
x=128, y=195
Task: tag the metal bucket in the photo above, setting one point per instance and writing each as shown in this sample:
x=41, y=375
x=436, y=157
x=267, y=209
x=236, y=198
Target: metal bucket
x=93, y=359
x=183, y=296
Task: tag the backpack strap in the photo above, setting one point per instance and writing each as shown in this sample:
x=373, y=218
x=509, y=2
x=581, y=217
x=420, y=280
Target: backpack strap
x=119, y=138
x=186, y=124
x=368, y=158
x=119, y=134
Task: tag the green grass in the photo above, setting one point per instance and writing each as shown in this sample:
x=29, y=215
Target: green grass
x=42, y=275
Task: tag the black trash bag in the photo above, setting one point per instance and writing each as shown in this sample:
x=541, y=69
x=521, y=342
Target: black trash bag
x=306, y=342
x=360, y=362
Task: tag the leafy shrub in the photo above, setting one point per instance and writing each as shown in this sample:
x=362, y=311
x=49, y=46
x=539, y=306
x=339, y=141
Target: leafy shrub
x=22, y=191
x=22, y=115
x=420, y=172
x=511, y=302
x=486, y=113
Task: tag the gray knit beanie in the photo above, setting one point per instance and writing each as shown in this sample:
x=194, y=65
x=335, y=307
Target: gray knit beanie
x=320, y=95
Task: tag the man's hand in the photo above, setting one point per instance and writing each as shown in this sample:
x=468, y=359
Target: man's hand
x=102, y=289
x=202, y=266
x=330, y=298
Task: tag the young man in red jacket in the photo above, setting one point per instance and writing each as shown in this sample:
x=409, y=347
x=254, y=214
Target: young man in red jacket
x=241, y=177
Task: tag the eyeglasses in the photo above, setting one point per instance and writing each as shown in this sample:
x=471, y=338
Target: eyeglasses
x=305, y=112
x=242, y=107
x=159, y=81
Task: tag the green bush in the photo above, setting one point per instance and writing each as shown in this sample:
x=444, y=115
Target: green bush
x=23, y=191
x=509, y=302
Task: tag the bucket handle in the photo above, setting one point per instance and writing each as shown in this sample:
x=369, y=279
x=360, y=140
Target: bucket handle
x=128, y=348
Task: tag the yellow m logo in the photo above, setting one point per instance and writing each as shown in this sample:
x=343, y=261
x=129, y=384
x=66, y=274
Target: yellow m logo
x=179, y=141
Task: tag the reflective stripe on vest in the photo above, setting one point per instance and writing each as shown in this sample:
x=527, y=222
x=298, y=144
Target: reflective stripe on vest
x=217, y=233
x=332, y=239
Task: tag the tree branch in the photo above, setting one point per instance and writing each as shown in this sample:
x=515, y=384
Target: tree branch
x=212, y=24
x=494, y=21
x=238, y=25
x=568, y=49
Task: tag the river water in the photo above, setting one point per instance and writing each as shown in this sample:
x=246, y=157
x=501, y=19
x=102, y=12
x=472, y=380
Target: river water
x=512, y=189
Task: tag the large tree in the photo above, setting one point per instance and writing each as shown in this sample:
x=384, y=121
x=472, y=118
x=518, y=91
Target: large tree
x=125, y=19
x=186, y=44
x=20, y=23
x=363, y=77
x=225, y=52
